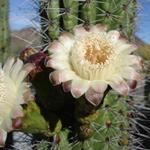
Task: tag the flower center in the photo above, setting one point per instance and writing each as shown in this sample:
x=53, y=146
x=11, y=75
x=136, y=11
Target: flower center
x=90, y=55
x=97, y=51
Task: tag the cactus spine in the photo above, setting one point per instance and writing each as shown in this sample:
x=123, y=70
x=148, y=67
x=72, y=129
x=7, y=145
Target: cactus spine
x=4, y=29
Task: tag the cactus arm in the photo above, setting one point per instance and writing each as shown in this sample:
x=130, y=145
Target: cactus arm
x=88, y=11
x=70, y=16
x=4, y=30
x=49, y=15
x=53, y=16
x=118, y=15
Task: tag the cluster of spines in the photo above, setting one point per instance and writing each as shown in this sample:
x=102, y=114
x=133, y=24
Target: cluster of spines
x=66, y=14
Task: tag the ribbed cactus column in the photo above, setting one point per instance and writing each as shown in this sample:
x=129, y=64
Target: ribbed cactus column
x=65, y=14
x=88, y=11
x=4, y=29
x=53, y=16
x=50, y=14
x=109, y=126
x=118, y=15
x=70, y=14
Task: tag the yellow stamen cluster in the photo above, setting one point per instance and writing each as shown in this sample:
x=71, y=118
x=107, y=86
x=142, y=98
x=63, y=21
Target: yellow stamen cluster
x=97, y=50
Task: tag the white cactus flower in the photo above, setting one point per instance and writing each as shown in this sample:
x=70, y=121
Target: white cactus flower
x=89, y=61
x=12, y=89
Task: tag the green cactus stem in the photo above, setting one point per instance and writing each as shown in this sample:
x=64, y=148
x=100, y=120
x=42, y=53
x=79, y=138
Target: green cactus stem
x=50, y=14
x=88, y=11
x=34, y=122
x=105, y=128
x=53, y=16
x=4, y=29
x=118, y=15
x=64, y=15
x=112, y=124
x=70, y=14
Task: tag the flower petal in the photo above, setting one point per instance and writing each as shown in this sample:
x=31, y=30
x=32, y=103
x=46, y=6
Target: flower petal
x=125, y=48
x=79, y=87
x=7, y=124
x=17, y=123
x=18, y=112
x=98, y=28
x=113, y=35
x=8, y=65
x=80, y=31
x=57, y=77
x=57, y=64
x=93, y=97
x=119, y=85
x=67, y=86
x=24, y=72
x=99, y=86
x=3, y=136
x=63, y=57
x=55, y=47
x=66, y=39
x=130, y=73
x=137, y=61
x=28, y=93
x=16, y=68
